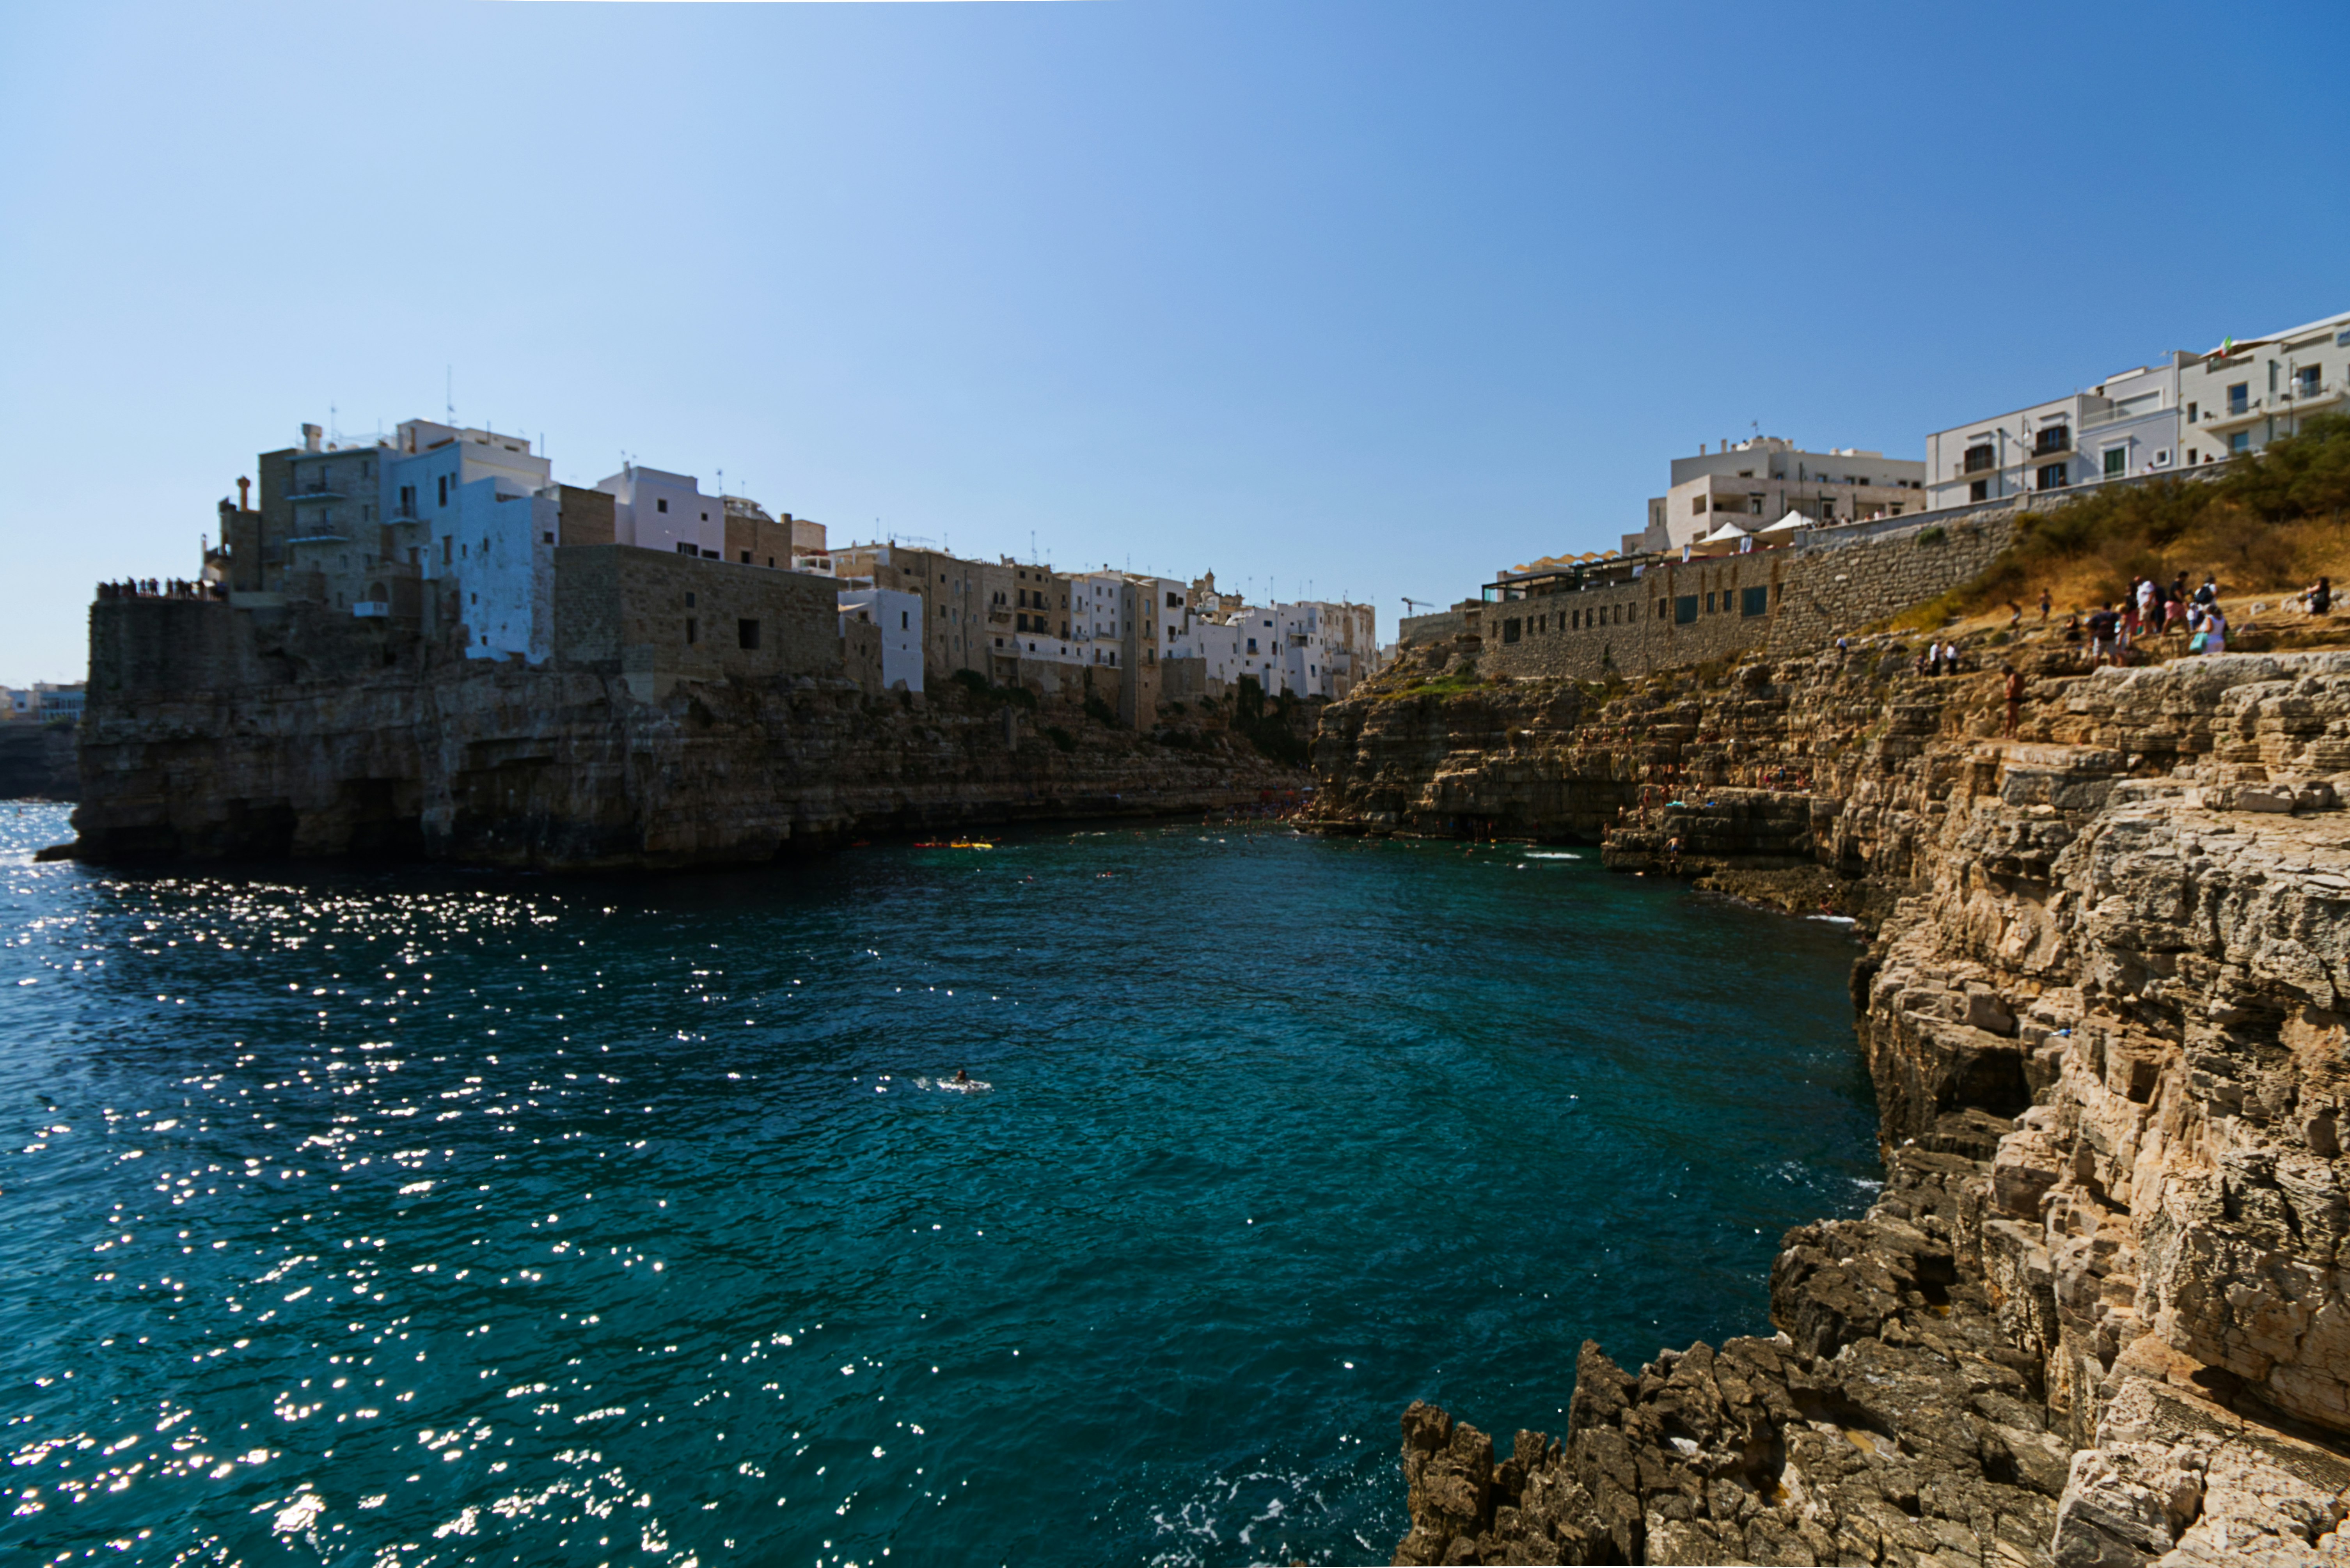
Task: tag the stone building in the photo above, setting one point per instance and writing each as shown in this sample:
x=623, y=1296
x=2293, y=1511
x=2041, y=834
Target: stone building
x=1661, y=615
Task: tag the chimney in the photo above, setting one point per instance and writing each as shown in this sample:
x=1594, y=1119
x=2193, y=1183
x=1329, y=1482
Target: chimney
x=310, y=434
x=244, y=489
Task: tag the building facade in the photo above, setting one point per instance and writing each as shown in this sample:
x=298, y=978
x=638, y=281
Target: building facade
x=898, y=616
x=2128, y=425
x=2244, y=395
x=1759, y=481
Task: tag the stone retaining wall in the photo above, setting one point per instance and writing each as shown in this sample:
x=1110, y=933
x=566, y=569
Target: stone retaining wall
x=1780, y=601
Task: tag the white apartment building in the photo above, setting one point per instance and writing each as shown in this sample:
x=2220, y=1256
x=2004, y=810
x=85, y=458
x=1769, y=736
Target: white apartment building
x=654, y=510
x=2126, y=425
x=899, y=613
x=474, y=512
x=2242, y=395
x=41, y=701
x=1754, y=483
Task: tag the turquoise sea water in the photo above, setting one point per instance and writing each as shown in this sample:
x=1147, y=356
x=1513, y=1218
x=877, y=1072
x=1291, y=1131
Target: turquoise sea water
x=414, y=1217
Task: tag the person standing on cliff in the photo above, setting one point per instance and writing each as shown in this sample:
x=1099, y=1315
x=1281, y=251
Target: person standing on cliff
x=2045, y=603
x=2015, y=698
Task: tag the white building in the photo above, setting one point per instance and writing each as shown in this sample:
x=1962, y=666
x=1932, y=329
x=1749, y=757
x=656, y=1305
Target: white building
x=2242, y=395
x=655, y=509
x=41, y=701
x=1757, y=482
x=2125, y=426
x=899, y=613
x=475, y=512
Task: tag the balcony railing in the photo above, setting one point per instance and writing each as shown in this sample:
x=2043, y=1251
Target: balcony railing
x=2052, y=443
x=1980, y=460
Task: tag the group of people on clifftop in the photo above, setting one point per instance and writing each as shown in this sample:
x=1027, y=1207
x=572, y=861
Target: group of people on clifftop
x=161, y=588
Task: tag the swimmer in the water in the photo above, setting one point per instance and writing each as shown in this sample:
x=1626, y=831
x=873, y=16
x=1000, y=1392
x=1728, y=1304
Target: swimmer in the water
x=963, y=1076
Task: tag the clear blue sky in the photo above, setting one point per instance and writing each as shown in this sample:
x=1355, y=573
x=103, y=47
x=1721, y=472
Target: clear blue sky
x=1377, y=296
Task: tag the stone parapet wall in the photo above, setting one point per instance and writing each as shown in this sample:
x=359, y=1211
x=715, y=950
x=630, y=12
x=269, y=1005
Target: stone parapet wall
x=1786, y=601
x=621, y=609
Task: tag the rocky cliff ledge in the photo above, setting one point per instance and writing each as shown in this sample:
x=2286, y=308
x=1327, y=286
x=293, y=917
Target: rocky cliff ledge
x=37, y=762
x=2098, y=1314
x=304, y=750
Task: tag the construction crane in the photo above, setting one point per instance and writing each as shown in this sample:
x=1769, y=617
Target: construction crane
x=1411, y=606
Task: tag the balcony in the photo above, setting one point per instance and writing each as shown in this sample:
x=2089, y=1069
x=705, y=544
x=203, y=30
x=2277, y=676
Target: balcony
x=2114, y=414
x=1980, y=460
x=2053, y=443
x=2308, y=397
x=2235, y=416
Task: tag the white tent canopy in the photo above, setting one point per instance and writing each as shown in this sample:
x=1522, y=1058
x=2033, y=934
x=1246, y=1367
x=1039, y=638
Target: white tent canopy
x=1727, y=531
x=1789, y=524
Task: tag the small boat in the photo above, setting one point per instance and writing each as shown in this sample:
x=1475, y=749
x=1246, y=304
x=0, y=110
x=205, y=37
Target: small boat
x=958, y=844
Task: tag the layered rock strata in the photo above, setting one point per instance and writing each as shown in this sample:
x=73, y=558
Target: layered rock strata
x=37, y=762
x=287, y=752
x=2098, y=1314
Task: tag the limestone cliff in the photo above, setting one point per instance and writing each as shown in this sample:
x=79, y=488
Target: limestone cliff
x=2097, y=1315
x=37, y=762
x=305, y=738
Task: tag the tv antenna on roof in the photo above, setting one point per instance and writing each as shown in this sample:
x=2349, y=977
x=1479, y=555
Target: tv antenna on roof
x=448, y=391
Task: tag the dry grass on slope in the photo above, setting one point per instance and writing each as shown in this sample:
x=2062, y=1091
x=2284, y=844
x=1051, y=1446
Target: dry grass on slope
x=2272, y=523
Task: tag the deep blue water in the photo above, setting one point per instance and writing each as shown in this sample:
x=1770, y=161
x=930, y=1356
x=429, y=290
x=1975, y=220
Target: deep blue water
x=399, y=1217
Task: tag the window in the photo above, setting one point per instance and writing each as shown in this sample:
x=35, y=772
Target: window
x=1708, y=604
x=547, y=537
x=2053, y=437
x=2239, y=397
x=445, y=550
x=747, y=634
x=689, y=549
x=1685, y=610
x=661, y=505
x=905, y=620
x=2242, y=442
x=2307, y=381
x=1174, y=601
x=1978, y=491
x=1754, y=601
x=1575, y=620
x=1697, y=505
x=692, y=631
x=1980, y=457
x=2052, y=476
x=1510, y=629
x=746, y=557
x=2117, y=461
x=1252, y=642
x=444, y=490
x=690, y=600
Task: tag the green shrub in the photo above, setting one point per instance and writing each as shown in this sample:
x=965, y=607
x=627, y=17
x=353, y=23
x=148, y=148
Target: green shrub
x=973, y=681
x=1934, y=536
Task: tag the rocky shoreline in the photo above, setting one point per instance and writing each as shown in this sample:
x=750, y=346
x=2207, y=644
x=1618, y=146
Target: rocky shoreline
x=2095, y=1316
